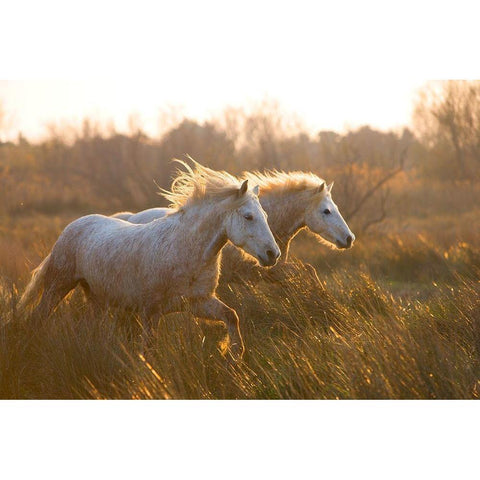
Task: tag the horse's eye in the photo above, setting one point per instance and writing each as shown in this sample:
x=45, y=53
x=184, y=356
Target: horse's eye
x=327, y=211
x=248, y=216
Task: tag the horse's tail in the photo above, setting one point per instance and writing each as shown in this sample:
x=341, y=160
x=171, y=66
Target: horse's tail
x=35, y=287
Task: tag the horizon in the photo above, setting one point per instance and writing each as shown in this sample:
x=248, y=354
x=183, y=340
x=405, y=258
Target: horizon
x=30, y=106
x=334, y=66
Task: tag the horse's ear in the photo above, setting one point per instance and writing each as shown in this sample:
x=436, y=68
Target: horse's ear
x=243, y=188
x=320, y=188
x=255, y=190
x=329, y=188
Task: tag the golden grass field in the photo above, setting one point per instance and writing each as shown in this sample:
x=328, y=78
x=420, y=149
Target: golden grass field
x=397, y=316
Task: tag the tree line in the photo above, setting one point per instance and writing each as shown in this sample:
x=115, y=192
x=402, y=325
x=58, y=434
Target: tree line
x=105, y=171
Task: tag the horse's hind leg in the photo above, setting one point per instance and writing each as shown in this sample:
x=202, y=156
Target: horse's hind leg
x=94, y=306
x=213, y=308
x=50, y=299
x=57, y=285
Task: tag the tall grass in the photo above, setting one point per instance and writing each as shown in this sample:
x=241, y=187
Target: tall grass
x=355, y=333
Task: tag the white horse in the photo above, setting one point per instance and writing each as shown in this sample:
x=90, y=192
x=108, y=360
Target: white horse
x=293, y=201
x=163, y=266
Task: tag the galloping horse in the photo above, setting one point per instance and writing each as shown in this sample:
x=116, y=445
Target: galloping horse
x=164, y=266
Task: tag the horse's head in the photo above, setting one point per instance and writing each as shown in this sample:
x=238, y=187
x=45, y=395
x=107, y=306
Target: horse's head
x=323, y=218
x=247, y=228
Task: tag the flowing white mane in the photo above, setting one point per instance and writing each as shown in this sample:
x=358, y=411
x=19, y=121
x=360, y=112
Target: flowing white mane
x=199, y=183
x=274, y=181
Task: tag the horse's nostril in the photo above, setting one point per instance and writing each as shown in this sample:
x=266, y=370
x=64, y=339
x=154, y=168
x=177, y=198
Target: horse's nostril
x=349, y=240
x=270, y=254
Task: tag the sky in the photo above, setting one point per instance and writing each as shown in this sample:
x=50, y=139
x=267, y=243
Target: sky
x=336, y=65
x=31, y=105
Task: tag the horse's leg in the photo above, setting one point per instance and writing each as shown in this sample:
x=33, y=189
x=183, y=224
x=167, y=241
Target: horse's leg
x=57, y=284
x=51, y=297
x=214, y=309
x=95, y=307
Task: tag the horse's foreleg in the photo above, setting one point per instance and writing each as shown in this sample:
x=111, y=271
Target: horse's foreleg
x=214, y=309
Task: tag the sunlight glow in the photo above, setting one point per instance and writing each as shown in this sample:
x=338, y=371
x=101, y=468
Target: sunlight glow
x=338, y=65
x=329, y=105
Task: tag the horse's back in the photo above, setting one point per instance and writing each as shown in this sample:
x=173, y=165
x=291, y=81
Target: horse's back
x=110, y=238
x=94, y=224
x=147, y=216
x=122, y=215
x=95, y=235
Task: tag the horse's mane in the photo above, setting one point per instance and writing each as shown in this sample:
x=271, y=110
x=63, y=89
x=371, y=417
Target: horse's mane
x=193, y=185
x=274, y=181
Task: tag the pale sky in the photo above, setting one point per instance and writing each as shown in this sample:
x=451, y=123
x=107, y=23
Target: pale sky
x=324, y=104
x=337, y=65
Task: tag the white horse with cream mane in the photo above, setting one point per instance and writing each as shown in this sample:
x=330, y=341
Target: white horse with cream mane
x=167, y=265
x=293, y=201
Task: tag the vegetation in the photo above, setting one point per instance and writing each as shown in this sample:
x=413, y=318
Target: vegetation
x=397, y=316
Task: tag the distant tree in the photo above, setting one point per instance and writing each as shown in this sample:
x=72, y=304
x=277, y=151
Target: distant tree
x=265, y=136
x=363, y=164
x=206, y=143
x=447, y=121
x=119, y=168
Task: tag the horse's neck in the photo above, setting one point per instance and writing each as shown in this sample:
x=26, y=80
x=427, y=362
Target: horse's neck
x=203, y=225
x=286, y=216
x=214, y=247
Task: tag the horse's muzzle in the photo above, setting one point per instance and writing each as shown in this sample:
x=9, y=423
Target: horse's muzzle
x=269, y=259
x=348, y=242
